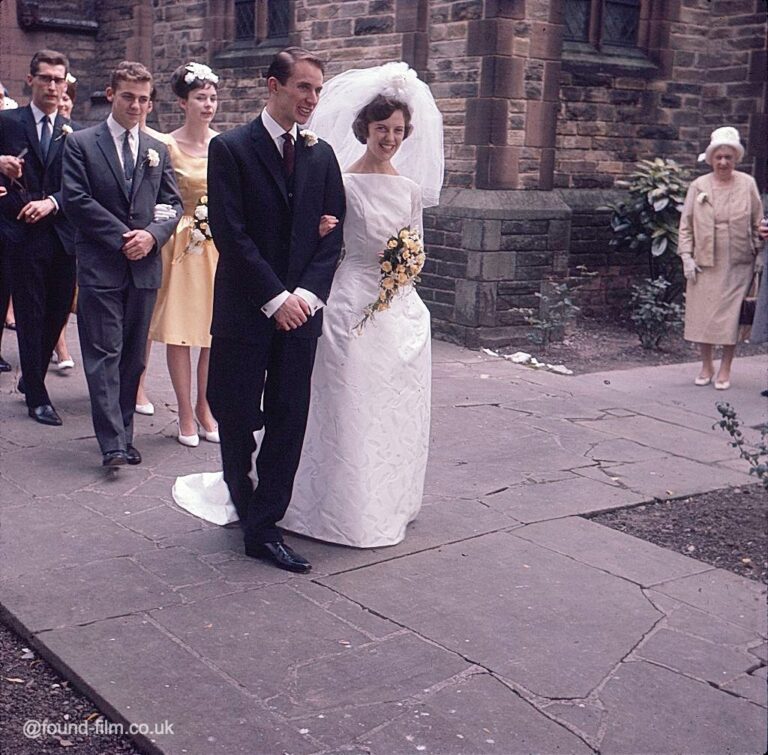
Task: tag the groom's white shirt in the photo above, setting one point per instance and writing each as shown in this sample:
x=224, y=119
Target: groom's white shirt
x=276, y=131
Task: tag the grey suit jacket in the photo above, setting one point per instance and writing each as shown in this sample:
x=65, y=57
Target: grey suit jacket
x=98, y=204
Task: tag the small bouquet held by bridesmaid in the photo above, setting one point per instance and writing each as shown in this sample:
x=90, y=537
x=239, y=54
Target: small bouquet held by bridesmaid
x=201, y=231
x=401, y=262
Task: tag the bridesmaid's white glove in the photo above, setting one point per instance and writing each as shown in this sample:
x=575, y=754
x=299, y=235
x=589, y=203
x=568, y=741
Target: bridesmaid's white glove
x=164, y=212
x=690, y=268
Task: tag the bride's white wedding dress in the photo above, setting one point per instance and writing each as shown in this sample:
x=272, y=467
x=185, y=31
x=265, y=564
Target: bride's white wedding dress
x=361, y=476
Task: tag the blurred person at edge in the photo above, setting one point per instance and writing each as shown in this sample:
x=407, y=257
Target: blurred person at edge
x=759, y=333
x=718, y=247
x=6, y=308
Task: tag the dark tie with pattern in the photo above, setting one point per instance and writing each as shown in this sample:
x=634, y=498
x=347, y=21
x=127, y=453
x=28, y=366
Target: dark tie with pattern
x=128, y=162
x=289, y=154
x=45, y=136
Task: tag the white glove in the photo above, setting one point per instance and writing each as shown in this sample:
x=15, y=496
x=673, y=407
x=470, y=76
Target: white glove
x=690, y=268
x=164, y=212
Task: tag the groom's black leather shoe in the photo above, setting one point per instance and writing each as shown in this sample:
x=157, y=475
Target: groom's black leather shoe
x=4, y=365
x=114, y=459
x=45, y=414
x=132, y=455
x=281, y=555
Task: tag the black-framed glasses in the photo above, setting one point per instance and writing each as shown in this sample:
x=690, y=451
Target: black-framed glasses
x=47, y=79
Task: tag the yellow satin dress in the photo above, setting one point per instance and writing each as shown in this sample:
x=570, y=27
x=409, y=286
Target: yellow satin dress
x=184, y=305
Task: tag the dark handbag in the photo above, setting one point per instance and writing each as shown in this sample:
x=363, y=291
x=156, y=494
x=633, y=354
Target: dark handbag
x=748, y=306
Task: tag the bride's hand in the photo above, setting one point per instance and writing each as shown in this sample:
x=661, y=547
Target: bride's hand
x=327, y=224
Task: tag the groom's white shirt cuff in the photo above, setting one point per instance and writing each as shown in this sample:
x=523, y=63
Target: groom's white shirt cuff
x=315, y=302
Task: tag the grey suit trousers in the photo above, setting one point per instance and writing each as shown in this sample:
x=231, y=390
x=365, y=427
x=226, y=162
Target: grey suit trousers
x=113, y=324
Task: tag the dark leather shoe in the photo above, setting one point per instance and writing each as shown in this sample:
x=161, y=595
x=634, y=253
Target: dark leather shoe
x=45, y=414
x=281, y=555
x=132, y=455
x=20, y=386
x=114, y=459
x=4, y=365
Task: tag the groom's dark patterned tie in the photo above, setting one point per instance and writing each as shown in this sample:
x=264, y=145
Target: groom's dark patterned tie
x=289, y=154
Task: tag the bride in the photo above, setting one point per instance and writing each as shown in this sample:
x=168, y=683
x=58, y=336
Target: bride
x=361, y=476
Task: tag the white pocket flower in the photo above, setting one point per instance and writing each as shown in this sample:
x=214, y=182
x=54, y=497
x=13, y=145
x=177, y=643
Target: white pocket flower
x=153, y=159
x=702, y=197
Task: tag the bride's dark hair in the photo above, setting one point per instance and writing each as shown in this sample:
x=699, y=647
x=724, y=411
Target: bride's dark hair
x=379, y=109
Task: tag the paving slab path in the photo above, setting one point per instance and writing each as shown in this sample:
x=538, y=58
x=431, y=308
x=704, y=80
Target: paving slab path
x=505, y=622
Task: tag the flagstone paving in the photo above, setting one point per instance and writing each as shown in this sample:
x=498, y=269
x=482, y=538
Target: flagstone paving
x=504, y=623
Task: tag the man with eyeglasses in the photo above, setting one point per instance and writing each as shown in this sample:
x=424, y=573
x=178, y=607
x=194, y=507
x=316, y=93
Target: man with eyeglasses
x=37, y=237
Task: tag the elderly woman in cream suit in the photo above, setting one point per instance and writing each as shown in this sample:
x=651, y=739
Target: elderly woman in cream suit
x=718, y=245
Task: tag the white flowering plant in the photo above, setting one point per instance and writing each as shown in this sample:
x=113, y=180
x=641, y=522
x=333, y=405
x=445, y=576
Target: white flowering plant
x=401, y=262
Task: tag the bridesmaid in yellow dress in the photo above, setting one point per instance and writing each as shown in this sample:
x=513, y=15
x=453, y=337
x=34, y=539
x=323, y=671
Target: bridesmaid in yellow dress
x=182, y=315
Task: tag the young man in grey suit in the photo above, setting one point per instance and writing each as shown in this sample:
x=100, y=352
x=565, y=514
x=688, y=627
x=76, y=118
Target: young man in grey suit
x=114, y=176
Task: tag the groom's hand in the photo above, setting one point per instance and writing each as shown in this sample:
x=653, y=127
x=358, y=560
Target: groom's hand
x=293, y=313
x=137, y=244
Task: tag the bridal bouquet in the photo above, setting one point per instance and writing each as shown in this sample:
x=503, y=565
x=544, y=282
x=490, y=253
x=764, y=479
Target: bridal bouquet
x=401, y=262
x=201, y=231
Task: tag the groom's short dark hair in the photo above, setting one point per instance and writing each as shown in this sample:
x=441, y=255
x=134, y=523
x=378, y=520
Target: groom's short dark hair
x=283, y=63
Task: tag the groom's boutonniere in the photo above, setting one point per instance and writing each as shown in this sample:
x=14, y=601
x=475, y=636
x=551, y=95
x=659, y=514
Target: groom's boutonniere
x=310, y=137
x=153, y=159
x=702, y=197
x=66, y=130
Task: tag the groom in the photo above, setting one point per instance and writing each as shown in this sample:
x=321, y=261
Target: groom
x=268, y=185
x=114, y=175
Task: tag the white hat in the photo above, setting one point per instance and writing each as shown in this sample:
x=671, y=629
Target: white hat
x=725, y=136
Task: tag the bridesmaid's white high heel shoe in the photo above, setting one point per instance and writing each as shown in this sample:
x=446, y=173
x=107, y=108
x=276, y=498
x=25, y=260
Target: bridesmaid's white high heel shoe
x=191, y=441
x=212, y=436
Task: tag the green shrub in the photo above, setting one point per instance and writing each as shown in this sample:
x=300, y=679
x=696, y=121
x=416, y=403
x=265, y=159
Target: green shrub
x=757, y=459
x=653, y=315
x=648, y=221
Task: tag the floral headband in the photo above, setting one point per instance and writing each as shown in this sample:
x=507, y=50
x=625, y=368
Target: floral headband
x=199, y=71
x=71, y=79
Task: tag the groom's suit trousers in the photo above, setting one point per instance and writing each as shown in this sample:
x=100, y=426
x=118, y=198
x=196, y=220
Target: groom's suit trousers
x=238, y=374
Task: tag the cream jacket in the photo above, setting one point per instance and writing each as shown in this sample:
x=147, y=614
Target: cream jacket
x=697, y=220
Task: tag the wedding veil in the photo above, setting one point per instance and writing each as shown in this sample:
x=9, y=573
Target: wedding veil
x=420, y=157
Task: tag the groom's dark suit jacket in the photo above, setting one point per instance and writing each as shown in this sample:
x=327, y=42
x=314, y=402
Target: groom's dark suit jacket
x=264, y=245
